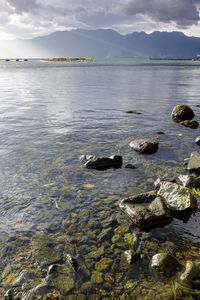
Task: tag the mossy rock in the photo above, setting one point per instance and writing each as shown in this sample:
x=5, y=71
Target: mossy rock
x=130, y=285
x=97, y=277
x=96, y=253
x=103, y=264
x=182, y=112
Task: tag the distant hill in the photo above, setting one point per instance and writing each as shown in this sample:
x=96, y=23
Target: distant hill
x=104, y=43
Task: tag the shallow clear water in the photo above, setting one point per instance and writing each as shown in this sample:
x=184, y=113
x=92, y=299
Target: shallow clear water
x=51, y=113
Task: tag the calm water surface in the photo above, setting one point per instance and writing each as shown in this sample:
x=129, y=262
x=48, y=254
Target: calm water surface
x=50, y=114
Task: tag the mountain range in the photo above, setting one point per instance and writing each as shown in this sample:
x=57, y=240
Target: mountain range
x=104, y=43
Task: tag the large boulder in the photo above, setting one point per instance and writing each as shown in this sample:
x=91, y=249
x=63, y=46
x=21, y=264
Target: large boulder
x=144, y=146
x=176, y=197
x=194, y=162
x=101, y=163
x=182, y=112
x=154, y=214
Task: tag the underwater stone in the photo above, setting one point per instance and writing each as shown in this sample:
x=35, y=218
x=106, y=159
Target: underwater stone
x=191, y=272
x=97, y=277
x=194, y=162
x=144, y=216
x=9, y=295
x=101, y=163
x=190, y=123
x=131, y=256
x=176, y=197
x=144, y=146
x=164, y=262
x=182, y=112
x=197, y=140
x=103, y=264
x=96, y=253
x=189, y=180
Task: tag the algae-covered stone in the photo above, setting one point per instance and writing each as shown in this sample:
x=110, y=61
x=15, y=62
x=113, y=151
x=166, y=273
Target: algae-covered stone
x=96, y=252
x=190, y=123
x=182, y=112
x=97, y=277
x=176, y=197
x=190, y=273
x=63, y=278
x=130, y=285
x=130, y=238
x=105, y=234
x=103, y=264
x=121, y=229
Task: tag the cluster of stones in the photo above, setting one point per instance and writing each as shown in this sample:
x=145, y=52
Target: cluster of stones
x=184, y=115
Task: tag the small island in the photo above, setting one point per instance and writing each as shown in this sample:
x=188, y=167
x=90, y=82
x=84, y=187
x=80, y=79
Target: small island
x=69, y=59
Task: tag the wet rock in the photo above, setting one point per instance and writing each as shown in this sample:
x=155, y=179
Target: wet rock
x=9, y=295
x=154, y=214
x=103, y=264
x=131, y=256
x=101, y=163
x=62, y=278
x=194, y=162
x=160, y=132
x=72, y=261
x=176, y=197
x=24, y=277
x=96, y=253
x=97, y=277
x=52, y=268
x=182, y=112
x=164, y=263
x=190, y=123
x=191, y=272
x=38, y=291
x=190, y=180
x=158, y=181
x=129, y=166
x=140, y=198
x=197, y=140
x=137, y=112
x=144, y=146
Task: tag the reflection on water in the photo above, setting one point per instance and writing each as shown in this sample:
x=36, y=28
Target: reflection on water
x=50, y=115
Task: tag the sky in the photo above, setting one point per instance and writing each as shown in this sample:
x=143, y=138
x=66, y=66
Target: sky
x=27, y=19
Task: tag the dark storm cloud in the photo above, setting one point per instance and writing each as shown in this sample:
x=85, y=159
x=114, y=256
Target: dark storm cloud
x=182, y=12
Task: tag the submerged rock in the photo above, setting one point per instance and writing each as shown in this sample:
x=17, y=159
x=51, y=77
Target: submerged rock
x=182, y=112
x=176, y=197
x=190, y=273
x=190, y=123
x=129, y=166
x=189, y=180
x=137, y=112
x=164, y=263
x=140, y=198
x=131, y=256
x=155, y=213
x=144, y=146
x=197, y=140
x=194, y=162
x=101, y=163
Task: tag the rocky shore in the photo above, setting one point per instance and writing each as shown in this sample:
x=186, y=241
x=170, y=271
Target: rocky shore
x=120, y=243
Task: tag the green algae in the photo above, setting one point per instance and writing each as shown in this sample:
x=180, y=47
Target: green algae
x=130, y=238
x=97, y=277
x=103, y=264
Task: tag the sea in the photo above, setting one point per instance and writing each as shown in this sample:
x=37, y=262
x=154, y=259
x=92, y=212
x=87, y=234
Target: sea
x=54, y=211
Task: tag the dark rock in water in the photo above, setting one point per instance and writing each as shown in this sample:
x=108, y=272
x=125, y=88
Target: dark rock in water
x=182, y=112
x=144, y=146
x=164, y=263
x=131, y=256
x=154, y=214
x=197, y=141
x=160, y=132
x=190, y=273
x=137, y=112
x=190, y=123
x=190, y=180
x=141, y=198
x=176, y=197
x=194, y=162
x=158, y=181
x=130, y=166
x=9, y=295
x=101, y=163
x=37, y=292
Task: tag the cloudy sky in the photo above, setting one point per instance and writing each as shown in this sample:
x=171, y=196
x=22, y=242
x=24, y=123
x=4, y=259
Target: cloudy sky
x=30, y=18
